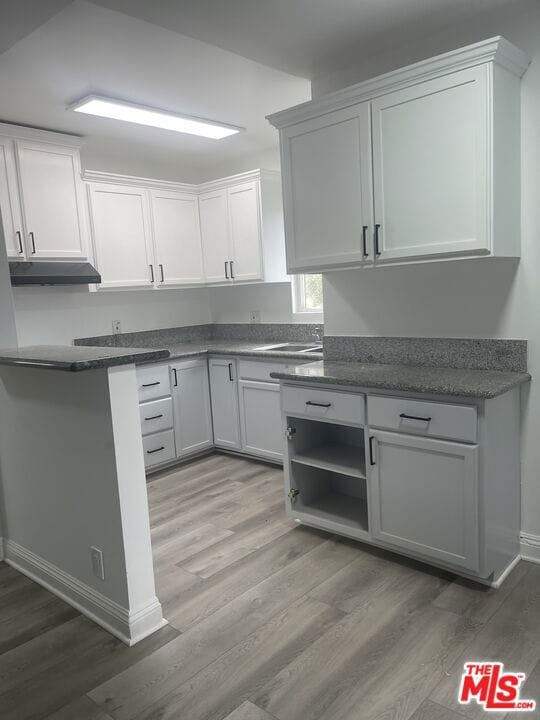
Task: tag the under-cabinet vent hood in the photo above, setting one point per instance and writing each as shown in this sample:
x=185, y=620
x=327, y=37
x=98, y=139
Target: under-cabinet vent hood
x=53, y=273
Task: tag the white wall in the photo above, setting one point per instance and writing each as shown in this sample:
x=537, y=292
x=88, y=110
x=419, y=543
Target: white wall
x=8, y=333
x=54, y=315
x=471, y=299
x=232, y=304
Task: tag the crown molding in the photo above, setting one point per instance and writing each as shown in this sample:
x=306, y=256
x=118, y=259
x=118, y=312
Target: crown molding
x=152, y=183
x=496, y=50
x=23, y=132
x=245, y=177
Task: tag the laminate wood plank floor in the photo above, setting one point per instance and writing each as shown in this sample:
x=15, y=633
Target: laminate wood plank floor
x=267, y=621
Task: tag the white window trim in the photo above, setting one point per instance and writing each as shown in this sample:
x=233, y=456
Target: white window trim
x=301, y=314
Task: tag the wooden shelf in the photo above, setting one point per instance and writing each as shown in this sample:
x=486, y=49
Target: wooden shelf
x=336, y=457
x=339, y=508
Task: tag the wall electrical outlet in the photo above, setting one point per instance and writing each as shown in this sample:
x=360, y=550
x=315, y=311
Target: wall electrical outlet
x=96, y=555
x=116, y=327
x=254, y=316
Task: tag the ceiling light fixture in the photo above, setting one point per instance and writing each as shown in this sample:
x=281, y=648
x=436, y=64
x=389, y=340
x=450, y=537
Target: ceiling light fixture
x=141, y=115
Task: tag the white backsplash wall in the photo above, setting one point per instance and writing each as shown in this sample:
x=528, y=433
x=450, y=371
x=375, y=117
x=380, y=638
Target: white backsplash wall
x=233, y=304
x=54, y=315
x=471, y=298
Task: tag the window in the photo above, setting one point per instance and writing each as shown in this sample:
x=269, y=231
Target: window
x=308, y=294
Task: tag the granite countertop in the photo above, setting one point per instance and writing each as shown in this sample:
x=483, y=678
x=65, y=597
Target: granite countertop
x=429, y=380
x=235, y=347
x=77, y=358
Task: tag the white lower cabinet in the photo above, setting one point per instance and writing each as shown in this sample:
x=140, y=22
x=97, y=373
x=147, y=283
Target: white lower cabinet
x=378, y=474
x=424, y=497
x=191, y=404
x=225, y=411
x=260, y=419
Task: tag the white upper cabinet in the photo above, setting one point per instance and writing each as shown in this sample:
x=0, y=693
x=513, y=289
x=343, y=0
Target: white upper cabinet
x=215, y=235
x=42, y=199
x=9, y=201
x=52, y=200
x=431, y=181
x=433, y=175
x=121, y=234
x=244, y=222
x=327, y=189
x=242, y=229
x=177, y=238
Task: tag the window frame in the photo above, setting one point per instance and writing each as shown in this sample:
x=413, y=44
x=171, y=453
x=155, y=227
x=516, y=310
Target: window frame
x=300, y=311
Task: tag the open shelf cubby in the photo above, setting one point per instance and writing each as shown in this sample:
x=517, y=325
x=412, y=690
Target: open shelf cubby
x=329, y=496
x=326, y=446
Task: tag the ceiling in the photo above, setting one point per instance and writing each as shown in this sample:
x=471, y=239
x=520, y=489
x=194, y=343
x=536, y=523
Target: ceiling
x=87, y=48
x=305, y=37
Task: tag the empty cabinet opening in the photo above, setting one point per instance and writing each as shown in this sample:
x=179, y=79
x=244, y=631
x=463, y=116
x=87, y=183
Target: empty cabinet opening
x=337, y=448
x=329, y=496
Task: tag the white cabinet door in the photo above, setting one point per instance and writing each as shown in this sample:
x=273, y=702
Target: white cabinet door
x=53, y=200
x=326, y=165
x=224, y=393
x=10, y=208
x=245, y=232
x=192, y=414
x=424, y=497
x=121, y=231
x=177, y=238
x=430, y=169
x=215, y=235
x=260, y=416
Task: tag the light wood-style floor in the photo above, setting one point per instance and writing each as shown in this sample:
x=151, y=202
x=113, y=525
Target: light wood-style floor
x=267, y=621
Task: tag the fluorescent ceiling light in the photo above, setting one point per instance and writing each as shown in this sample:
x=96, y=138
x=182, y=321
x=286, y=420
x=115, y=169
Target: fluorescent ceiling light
x=129, y=112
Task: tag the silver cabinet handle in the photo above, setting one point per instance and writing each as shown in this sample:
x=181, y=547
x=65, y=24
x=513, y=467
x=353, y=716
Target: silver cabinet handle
x=231, y=267
x=149, y=452
x=154, y=417
x=364, y=241
x=33, y=241
x=226, y=273
x=19, y=238
x=151, y=273
x=161, y=270
x=317, y=404
x=415, y=417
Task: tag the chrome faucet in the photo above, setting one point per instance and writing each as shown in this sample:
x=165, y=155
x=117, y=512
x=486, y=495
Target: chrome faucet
x=317, y=334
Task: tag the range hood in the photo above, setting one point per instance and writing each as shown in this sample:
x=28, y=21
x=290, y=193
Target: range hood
x=53, y=273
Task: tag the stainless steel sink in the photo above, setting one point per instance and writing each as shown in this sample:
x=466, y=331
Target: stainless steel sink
x=293, y=347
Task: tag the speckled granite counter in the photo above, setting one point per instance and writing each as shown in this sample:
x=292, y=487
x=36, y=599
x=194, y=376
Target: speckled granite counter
x=75, y=359
x=429, y=380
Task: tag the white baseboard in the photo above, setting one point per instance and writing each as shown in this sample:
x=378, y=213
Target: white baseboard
x=530, y=547
x=130, y=627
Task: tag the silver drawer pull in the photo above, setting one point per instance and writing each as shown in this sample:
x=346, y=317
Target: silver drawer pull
x=316, y=404
x=156, y=450
x=152, y=384
x=415, y=417
x=154, y=417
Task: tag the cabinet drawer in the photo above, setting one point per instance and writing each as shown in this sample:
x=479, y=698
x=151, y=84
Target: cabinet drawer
x=457, y=422
x=342, y=407
x=153, y=382
x=159, y=448
x=156, y=415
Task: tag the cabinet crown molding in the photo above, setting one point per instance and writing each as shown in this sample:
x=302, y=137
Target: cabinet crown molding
x=23, y=132
x=496, y=50
x=173, y=186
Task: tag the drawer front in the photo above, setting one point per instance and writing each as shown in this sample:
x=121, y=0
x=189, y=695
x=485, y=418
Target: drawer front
x=156, y=415
x=345, y=407
x=159, y=448
x=153, y=382
x=456, y=422
x=255, y=370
